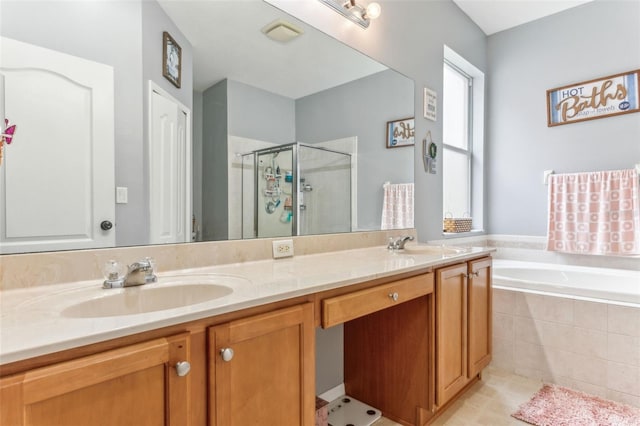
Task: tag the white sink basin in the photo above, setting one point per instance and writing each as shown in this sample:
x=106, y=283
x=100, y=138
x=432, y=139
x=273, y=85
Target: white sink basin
x=432, y=249
x=168, y=293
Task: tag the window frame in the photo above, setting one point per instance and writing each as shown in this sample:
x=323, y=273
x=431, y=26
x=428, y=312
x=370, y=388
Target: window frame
x=477, y=171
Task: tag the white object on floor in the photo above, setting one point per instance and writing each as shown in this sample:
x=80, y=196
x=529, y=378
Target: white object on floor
x=354, y=412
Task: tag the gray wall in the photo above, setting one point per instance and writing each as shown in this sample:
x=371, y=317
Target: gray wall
x=363, y=108
x=154, y=22
x=350, y=109
x=257, y=114
x=591, y=41
x=233, y=108
x=124, y=36
x=197, y=158
x=409, y=37
x=214, y=163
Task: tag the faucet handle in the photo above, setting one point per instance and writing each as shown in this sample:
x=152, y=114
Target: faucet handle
x=114, y=274
x=150, y=276
x=393, y=243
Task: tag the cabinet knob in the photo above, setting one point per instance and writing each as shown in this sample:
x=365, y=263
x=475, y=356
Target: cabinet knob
x=226, y=354
x=394, y=296
x=183, y=368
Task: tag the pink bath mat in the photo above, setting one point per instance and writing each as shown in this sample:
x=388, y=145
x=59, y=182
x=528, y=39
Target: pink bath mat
x=558, y=406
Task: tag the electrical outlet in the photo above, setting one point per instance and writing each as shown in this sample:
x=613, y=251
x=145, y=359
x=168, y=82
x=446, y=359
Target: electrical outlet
x=282, y=248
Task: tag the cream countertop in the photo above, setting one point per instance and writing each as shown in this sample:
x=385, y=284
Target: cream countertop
x=32, y=324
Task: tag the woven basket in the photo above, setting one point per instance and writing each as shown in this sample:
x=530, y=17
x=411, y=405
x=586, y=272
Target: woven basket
x=457, y=224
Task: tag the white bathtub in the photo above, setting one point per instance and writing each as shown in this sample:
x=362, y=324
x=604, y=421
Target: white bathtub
x=610, y=285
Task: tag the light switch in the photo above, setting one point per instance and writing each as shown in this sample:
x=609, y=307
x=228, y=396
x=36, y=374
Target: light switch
x=122, y=195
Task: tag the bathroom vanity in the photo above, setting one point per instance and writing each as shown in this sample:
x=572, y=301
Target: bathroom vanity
x=417, y=333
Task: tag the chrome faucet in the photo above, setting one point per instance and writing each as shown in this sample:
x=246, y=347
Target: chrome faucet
x=402, y=241
x=138, y=273
x=398, y=243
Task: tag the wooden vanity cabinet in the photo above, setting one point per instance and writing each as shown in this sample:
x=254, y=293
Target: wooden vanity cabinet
x=479, y=316
x=262, y=369
x=463, y=325
x=136, y=385
x=451, y=331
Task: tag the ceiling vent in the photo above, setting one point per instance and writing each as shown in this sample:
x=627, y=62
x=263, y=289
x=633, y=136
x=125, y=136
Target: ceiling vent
x=282, y=31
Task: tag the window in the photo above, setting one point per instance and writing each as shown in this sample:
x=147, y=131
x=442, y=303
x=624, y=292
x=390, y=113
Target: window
x=462, y=122
x=456, y=123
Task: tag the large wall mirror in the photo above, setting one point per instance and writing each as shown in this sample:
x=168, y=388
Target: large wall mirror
x=264, y=136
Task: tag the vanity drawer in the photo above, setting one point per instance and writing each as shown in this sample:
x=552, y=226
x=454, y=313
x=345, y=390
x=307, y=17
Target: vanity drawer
x=340, y=309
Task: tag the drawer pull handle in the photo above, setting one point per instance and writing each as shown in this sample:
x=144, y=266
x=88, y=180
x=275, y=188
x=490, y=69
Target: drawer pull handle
x=183, y=368
x=394, y=296
x=226, y=354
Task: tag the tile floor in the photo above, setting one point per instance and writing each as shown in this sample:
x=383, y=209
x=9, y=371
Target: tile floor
x=489, y=402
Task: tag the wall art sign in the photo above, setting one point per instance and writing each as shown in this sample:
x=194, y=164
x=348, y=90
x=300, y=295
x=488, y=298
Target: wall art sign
x=603, y=97
x=171, y=59
x=430, y=104
x=400, y=133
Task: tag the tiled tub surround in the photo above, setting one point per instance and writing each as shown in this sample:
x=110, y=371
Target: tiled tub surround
x=32, y=324
x=592, y=346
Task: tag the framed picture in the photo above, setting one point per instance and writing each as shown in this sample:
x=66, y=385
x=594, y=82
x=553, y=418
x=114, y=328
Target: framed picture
x=400, y=133
x=171, y=59
x=603, y=97
x=430, y=104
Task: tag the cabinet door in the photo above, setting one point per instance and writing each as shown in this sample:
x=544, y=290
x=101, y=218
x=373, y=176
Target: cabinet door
x=479, y=315
x=135, y=385
x=451, y=331
x=267, y=374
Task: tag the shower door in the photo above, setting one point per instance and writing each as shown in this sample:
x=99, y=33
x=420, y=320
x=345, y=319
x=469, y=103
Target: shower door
x=295, y=189
x=324, y=193
x=275, y=192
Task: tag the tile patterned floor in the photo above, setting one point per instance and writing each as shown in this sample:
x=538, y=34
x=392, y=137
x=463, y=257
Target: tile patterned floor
x=489, y=402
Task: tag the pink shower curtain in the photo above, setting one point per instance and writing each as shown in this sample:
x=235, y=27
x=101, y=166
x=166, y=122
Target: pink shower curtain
x=594, y=213
x=397, y=206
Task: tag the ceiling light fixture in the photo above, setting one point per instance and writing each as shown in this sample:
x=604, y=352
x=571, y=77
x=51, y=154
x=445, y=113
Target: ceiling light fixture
x=351, y=10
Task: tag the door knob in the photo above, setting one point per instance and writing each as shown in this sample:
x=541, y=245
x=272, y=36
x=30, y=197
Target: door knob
x=226, y=354
x=183, y=368
x=105, y=225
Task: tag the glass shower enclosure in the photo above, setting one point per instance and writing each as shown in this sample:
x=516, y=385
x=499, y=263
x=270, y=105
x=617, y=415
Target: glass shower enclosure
x=295, y=189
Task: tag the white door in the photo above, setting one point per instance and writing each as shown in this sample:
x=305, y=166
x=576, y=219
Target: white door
x=169, y=168
x=57, y=176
